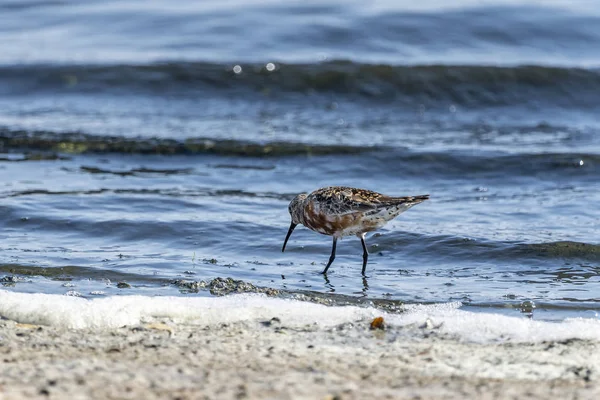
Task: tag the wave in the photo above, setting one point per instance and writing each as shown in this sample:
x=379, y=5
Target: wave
x=34, y=146
x=461, y=85
x=565, y=249
x=81, y=143
x=473, y=249
x=19, y=272
x=197, y=192
x=436, y=247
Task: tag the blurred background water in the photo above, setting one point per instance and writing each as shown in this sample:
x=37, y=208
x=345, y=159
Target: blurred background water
x=154, y=141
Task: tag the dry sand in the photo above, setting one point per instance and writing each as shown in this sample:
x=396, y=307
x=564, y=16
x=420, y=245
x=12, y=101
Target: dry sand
x=266, y=360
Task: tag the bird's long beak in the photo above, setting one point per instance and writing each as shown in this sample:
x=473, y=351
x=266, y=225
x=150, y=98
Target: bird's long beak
x=292, y=226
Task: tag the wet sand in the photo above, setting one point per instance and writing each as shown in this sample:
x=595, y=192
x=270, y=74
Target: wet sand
x=266, y=359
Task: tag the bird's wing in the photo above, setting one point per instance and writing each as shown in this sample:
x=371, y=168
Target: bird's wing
x=344, y=200
x=340, y=200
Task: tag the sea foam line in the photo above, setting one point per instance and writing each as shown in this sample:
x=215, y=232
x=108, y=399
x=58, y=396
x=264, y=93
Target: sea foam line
x=117, y=311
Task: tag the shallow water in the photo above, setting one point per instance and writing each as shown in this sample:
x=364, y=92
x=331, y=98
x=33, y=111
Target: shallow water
x=137, y=156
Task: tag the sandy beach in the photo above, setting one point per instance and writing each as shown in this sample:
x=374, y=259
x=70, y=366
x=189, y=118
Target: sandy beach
x=162, y=359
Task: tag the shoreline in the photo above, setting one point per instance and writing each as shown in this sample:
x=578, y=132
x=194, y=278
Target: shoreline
x=267, y=358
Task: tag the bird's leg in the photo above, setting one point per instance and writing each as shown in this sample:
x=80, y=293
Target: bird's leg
x=332, y=257
x=365, y=253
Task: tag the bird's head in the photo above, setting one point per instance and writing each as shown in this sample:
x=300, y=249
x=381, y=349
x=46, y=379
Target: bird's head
x=296, y=209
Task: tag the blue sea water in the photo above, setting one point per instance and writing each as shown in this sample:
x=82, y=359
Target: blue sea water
x=155, y=142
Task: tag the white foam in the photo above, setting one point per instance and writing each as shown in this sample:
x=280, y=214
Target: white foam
x=487, y=327
x=117, y=311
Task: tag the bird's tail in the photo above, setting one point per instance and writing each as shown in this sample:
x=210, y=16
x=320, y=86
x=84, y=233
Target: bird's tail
x=412, y=200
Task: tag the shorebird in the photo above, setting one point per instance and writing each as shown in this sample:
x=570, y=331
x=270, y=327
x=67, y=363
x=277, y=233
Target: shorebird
x=343, y=211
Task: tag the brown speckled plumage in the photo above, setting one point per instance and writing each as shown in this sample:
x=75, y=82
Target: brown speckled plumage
x=342, y=211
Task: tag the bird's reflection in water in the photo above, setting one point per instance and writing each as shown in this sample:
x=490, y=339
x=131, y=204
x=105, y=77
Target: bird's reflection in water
x=365, y=288
x=331, y=288
x=328, y=285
